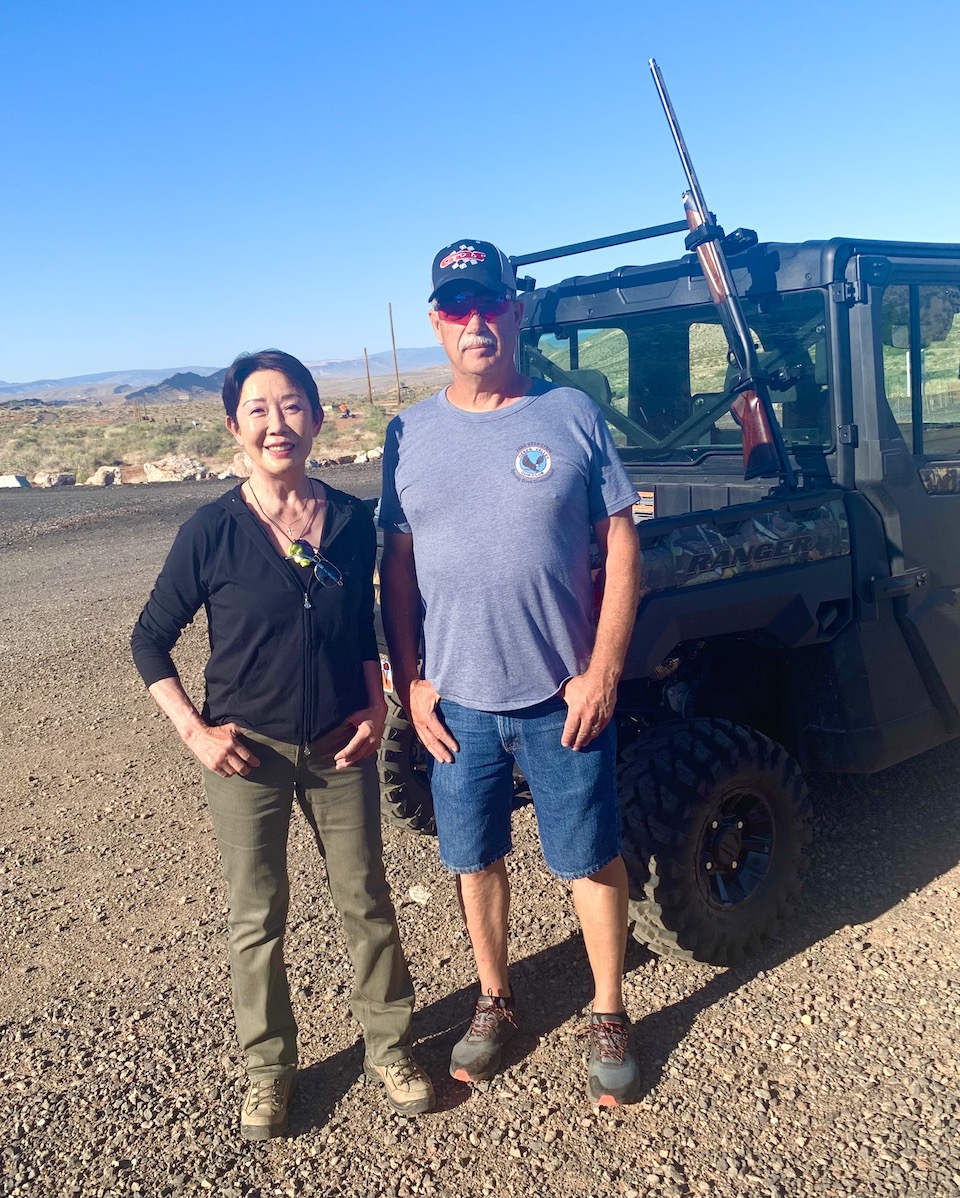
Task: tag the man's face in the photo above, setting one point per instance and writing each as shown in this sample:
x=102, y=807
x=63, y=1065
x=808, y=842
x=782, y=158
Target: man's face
x=476, y=328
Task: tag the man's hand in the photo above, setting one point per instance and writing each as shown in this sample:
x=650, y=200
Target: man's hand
x=368, y=722
x=591, y=696
x=590, y=702
x=434, y=735
x=221, y=749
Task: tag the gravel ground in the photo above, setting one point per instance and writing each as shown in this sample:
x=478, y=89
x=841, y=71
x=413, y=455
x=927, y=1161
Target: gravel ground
x=826, y=1066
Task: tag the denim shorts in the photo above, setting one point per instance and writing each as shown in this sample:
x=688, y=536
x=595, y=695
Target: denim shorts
x=574, y=794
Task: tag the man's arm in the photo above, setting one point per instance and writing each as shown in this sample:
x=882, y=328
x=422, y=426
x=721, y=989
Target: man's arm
x=401, y=609
x=591, y=696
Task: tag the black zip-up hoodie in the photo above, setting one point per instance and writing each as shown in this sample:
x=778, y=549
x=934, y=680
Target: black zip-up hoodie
x=286, y=653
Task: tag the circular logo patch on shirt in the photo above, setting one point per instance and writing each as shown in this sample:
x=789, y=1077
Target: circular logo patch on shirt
x=533, y=462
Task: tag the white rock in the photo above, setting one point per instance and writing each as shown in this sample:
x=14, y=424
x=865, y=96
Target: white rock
x=174, y=468
x=50, y=478
x=419, y=894
x=13, y=480
x=106, y=476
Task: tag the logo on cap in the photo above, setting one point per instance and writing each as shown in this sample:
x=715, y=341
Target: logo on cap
x=463, y=257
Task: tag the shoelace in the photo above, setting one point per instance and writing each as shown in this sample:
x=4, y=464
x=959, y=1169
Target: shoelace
x=486, y=1020
x=405, y=1071
x=266, y=1090
x=611, y=1038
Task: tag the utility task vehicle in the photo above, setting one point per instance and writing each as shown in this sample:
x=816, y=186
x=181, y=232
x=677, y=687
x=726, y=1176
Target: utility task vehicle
x=781, y=629
x=808, y=624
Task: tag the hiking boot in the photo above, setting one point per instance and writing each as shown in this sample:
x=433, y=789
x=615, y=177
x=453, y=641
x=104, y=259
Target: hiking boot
x=409, y=1090
x=613, y=1075
x=476, y=1057
x=264, y=1111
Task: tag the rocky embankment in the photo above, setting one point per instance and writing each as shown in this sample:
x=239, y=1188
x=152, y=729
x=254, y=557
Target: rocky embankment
x=826, y=1066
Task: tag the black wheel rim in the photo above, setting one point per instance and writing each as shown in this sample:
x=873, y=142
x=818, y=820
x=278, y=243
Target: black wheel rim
x=735, y=848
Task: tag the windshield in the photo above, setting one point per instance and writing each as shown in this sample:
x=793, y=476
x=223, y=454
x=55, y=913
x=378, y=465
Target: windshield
x=662, y=379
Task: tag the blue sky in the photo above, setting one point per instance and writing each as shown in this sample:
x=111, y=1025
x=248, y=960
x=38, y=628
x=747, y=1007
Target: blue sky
x=186, y=180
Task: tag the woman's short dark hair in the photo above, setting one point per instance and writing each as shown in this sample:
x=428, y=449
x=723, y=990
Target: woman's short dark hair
x=267, y=359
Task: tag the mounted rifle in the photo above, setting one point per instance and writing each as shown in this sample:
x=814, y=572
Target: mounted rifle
x=764, y=453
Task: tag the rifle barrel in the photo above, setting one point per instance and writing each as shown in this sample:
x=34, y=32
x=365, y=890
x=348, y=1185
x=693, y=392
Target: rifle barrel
x=681, y=144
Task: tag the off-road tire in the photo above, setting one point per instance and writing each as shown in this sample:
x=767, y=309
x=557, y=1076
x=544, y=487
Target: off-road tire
x=405, y=798
x=684, y=787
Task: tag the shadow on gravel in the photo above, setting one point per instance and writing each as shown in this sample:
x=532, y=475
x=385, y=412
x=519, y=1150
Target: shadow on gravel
x=552, y=986
x=877, y=840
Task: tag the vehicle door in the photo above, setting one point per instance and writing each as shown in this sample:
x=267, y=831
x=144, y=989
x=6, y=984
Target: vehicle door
x=914, y=327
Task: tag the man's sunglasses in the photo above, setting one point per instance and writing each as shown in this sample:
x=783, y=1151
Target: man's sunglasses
x=457, y=309
x=325, y=572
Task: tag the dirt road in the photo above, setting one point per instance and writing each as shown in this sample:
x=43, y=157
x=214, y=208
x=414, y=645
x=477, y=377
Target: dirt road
x=827, y=1066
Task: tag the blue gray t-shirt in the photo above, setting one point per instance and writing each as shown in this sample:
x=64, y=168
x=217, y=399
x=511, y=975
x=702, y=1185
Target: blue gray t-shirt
x=500, y=505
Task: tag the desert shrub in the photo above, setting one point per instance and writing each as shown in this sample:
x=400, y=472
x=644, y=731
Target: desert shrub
x=375, y=421
x=206, y=442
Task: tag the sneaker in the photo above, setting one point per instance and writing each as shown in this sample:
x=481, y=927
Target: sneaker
x=409, y=1090
x=264, y=1111
x=613, y=1075
x=476, y=1057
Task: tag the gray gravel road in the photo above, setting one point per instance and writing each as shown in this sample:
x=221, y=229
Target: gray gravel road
x=826, y=1066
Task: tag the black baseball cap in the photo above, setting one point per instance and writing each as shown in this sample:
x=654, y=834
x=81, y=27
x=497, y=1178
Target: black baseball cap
x=472, y=261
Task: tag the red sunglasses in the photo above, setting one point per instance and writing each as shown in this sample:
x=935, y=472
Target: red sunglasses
x=457, y=309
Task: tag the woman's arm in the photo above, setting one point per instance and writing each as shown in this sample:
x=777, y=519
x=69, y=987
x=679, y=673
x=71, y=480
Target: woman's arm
x=177, y=596
x=368, y=721
x=219, y=748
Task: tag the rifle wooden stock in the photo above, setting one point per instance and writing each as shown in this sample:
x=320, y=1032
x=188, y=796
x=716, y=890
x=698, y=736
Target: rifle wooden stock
x=760, y=456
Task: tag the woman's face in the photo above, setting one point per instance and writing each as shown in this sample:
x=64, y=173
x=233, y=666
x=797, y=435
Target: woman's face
x=275, y=424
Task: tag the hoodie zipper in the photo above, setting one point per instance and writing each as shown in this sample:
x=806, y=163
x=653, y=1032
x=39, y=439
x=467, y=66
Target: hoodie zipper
x=326, y=538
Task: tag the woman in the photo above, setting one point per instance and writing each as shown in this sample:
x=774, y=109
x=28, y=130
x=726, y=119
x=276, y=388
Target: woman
x=283, y=566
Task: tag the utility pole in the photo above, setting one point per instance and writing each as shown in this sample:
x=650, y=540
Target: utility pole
x=366, y=362
x=393, y=342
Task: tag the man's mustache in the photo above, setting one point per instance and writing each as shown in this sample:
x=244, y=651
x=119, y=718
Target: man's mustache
x=477, y=341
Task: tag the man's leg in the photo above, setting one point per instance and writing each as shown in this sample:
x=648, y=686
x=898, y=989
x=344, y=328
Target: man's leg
x=601, y=903
x=472, y=798
x=578, y=817
x=485, y=903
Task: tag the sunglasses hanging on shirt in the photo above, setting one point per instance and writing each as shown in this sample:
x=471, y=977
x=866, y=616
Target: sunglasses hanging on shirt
x=325, y=572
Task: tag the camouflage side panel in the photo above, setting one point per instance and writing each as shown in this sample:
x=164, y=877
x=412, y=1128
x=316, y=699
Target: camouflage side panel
x=700, y=553
x=941, y=480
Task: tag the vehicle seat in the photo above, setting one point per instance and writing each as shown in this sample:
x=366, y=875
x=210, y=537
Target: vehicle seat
x=594, y=382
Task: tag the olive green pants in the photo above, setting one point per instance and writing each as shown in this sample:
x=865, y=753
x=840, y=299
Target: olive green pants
x=251, y=818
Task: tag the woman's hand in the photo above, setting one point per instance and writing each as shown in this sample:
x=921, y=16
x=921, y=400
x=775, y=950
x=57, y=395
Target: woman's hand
x=221, y=750
x=368, y=722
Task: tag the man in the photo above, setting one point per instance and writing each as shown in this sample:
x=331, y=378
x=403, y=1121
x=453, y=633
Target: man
x=490, y=489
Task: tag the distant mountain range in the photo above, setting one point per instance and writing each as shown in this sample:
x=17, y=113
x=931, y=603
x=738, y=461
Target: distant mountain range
x=125, y=378
x=184, y=382
x=382, y=363
x=153, y=385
